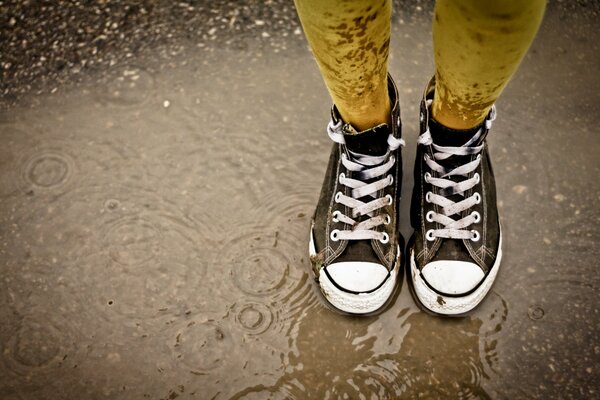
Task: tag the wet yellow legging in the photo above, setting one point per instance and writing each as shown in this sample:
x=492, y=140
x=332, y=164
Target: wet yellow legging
x=478, y=46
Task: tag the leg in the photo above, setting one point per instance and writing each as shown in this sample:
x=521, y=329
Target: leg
x=355, y=246
x=350, y=41
x=456, y=250
x=478, y=46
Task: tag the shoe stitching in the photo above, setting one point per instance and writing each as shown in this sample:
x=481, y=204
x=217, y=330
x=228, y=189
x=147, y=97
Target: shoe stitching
x=423, y=227
x=336, y=251
x=484, y=197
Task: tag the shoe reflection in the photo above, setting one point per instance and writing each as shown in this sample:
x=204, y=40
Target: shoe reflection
x=408, y=355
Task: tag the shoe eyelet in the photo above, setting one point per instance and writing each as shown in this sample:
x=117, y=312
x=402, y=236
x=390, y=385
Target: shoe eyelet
x=428, y=197
x=476, y=236
x=334, y=216
x=385, y=239
x=421, y=117
x=334, y=235
x=341, y=177
x=477, y=216
x=390, y=180
x=477, y=198
x=390, y=199
x=429, y=216
x=388, y=220
x=477, y=178
x=429, y=235
x=337, y=197
x=427, y=177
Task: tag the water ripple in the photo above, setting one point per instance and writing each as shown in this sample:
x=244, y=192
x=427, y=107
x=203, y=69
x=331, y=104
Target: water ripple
x=126, y=86
x=292, y=390
x=48, y=169
x=34, y=345
x=122, y=251
x=289, y=205
x=39, y=345
x=31, y=166
x=48, y=161
x=263, y=261
x=202, y=346
x=254, y=318
x=133, y=241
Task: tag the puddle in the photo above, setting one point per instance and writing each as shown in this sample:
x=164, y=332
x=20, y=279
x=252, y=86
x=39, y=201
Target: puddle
x=154, y=240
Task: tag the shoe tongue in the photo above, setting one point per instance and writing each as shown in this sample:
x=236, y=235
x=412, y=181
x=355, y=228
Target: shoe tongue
x=372, y=142
x=448, y=137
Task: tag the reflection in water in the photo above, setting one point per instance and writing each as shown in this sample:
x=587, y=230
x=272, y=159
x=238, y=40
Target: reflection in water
x=436, y=359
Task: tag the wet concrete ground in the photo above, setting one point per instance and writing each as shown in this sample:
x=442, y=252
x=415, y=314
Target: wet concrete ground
x=159, y=165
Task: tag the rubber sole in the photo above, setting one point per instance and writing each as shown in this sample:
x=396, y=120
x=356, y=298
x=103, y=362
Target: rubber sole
x=439, y=304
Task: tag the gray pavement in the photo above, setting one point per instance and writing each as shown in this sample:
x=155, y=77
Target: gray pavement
x=159, y=165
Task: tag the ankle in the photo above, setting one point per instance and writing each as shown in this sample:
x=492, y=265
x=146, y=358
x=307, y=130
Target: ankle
x=459, y=117
x=368, y=115
x=455, y=121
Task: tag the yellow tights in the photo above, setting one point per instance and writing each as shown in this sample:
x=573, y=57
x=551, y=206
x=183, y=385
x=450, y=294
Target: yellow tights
x=350, y=41
x=478, y=46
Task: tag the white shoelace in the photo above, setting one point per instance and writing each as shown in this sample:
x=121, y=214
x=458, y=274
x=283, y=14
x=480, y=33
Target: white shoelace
x=363, y=167
x=454, y=228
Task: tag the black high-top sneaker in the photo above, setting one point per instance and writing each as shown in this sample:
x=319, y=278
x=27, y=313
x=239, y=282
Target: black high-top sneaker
x=355, y=245
x=455, y=250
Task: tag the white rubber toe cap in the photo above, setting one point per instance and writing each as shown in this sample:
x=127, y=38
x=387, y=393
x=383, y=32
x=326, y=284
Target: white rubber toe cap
x=358, y=277
x=453, y=277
